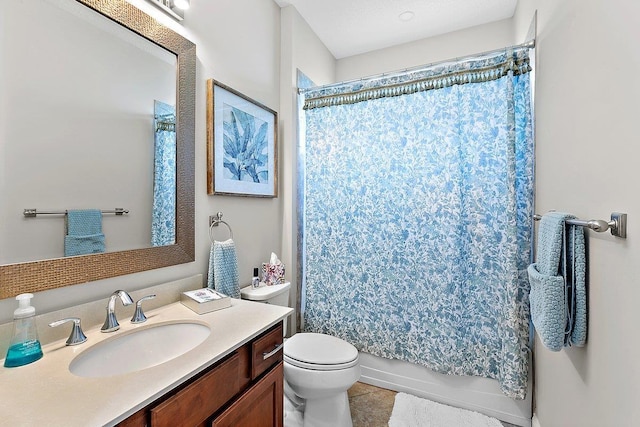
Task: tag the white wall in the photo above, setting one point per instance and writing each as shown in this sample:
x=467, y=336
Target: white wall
x=238, y=43
x=459, y=43
x=587, y=154
x=301, y=50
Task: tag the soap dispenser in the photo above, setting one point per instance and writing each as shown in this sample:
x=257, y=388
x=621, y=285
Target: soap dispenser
x=25, y=346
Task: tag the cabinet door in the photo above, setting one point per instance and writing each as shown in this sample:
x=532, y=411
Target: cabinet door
x=260, y=406
x=139, y=419
x=192, y=405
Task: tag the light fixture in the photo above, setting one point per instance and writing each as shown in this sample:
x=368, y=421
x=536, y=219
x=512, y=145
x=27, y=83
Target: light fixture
x=406, y=16
x=182, y=4
x=173, y=8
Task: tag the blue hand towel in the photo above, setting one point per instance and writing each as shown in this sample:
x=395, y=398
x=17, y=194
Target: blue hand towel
x=558, y=287
x=547, y=299
x=223, y=268
x=84, y=245
x=84, y=233
x=577, y=254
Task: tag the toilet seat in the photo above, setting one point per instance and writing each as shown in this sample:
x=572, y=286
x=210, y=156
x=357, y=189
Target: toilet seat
x=319, y=352
x=320, y=367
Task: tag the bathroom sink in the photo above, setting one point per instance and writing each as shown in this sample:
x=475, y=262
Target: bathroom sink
x=139, y=349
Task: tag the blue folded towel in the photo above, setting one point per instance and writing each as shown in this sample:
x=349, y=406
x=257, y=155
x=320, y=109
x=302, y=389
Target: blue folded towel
x=548, y=313
x=84, y=233
x=577, y=254
x=84, y=245
x=558, y=283
x=223, y=268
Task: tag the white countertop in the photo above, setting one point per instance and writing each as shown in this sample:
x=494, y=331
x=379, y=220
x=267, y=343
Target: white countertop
x=45, y=393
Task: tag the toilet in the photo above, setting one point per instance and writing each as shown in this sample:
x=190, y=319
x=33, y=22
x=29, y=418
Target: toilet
x=318, y=370
x=273, y=294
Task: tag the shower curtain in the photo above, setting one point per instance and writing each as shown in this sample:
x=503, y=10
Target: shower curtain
x=417, y=193
x=163, y=219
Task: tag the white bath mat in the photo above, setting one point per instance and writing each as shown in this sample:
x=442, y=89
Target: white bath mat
x=412, y=411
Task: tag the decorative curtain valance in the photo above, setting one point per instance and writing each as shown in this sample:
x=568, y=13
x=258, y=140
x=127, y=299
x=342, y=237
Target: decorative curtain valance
x=478, y=69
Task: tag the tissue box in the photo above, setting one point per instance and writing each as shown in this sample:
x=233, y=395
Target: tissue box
x=205, y=300
x=272, y=274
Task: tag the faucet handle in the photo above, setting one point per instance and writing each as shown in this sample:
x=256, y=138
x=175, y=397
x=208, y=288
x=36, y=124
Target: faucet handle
x=77, y=336
x=138, y=316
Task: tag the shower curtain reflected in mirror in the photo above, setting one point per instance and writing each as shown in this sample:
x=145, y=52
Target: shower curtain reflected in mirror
x=163, y=224
x=417, y=210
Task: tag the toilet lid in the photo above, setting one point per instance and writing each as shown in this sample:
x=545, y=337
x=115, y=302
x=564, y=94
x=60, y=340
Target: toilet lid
x=320, y=352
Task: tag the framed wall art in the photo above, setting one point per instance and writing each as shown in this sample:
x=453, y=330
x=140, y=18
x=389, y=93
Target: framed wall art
x=242, y=144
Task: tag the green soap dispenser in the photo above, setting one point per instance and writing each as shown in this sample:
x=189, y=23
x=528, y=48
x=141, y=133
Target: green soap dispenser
x=25, y=346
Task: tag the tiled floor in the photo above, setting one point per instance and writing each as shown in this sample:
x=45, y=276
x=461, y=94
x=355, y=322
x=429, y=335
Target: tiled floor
x=371, y=406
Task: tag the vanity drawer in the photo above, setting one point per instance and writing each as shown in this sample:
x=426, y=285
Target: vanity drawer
x=196, y=402
x=266, y=351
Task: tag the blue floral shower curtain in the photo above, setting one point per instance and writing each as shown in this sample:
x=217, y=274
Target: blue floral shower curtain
x=163, y=220
x=417, y=207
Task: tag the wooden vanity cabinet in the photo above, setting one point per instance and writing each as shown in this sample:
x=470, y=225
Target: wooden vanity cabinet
x=260, y=406
x=243, y=389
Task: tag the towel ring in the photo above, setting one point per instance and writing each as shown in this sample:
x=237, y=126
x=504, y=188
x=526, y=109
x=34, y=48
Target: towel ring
x=214, y=221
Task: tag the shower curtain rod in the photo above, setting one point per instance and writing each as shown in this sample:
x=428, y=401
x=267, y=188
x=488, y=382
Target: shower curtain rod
x=528, y=45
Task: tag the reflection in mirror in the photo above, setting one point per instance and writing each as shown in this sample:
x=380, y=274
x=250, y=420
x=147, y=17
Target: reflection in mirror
x=75, y=138
x=79, y=136
x=164, y=177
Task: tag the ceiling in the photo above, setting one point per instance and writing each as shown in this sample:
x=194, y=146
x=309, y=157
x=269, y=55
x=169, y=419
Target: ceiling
x=351, y=27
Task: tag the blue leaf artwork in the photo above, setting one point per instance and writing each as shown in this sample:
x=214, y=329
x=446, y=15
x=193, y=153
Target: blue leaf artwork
x=245, y=146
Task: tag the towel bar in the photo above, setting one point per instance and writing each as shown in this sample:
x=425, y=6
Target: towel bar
x=214, y=221
x=30, y=213
x=617, y=225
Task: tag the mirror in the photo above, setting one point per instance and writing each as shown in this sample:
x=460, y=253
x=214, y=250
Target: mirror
x=89, y=143
x=123, y=131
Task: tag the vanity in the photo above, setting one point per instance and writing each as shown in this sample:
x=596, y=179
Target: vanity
x=234, y=377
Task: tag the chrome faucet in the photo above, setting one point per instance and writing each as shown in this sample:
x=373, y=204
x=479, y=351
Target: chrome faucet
x=111, y=322
x=77, y=336
x=138, y=316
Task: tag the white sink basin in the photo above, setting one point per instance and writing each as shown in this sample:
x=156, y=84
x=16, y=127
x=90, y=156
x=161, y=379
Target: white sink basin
x=139, y=349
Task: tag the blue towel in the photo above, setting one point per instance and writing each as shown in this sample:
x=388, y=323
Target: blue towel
x=84, y=233
x=558, y=283
x=577, y=254
x=223, y=268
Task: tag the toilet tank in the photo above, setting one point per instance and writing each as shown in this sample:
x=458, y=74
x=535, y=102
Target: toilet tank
x=274, y=294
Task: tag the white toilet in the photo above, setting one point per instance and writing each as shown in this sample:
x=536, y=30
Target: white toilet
x=318, y=370
x=274, y=294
